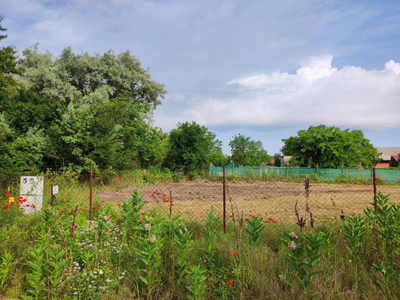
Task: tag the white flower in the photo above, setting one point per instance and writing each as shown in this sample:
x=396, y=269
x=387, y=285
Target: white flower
x=147, y=227
x=151, y=238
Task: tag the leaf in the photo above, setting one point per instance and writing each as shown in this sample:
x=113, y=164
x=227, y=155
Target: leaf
x=144, y=280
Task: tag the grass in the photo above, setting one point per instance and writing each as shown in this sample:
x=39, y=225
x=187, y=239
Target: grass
x=259, y=269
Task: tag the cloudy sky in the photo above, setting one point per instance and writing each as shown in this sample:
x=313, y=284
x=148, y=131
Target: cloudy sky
x=265, y=69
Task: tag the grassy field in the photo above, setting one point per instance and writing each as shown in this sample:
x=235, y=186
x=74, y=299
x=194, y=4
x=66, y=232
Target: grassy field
x=131, y=251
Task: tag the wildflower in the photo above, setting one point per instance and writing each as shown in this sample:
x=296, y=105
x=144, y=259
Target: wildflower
x=270, y=219
x=102, y=201
x=229, y=282
x=118, y=221
x=233, y=253
x=67, y=200
x=186, y=230
x=266, y=214
x=275, y=221
x=292, y=245
x=147, y=227
x=349, y=260
x=109, y=217
x=293, y=235
x=152, y=238
x=105, y=218
x=266, y=222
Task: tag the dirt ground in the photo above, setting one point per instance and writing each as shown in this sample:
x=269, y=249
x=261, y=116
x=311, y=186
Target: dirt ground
x=278, y=199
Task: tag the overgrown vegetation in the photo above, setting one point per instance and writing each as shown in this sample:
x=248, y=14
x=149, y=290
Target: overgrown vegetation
x=129, y=251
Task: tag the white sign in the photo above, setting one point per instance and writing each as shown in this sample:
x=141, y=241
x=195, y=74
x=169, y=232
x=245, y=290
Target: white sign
x=55, y=189
x=31, y=193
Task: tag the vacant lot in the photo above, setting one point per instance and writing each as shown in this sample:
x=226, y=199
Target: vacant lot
x=278, y=199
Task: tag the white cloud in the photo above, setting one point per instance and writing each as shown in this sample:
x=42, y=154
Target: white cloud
x=316, y=94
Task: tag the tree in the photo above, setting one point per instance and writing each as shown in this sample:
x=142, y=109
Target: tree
x=277, y=160
x=7, y=61
x=248, y=152
x=73, y=78
x=330, y=147
x=190, y=146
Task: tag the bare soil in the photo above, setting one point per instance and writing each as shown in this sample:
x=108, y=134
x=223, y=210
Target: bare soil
x=278, y=199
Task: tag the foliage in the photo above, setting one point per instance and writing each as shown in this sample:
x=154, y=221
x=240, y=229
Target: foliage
x=330, y=147
x=248, y=152
x=277, y=160
x=136, y=251
x=82, y=78
x=190, y=147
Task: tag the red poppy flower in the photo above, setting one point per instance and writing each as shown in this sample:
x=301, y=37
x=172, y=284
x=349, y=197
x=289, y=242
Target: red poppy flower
x=172, y=205
x=27, y=205
x=266, y=214
x=22, y=208
x=62, y=211
x=98, y=205
x=85, y=206
x=20, y=198
x=266, y=222
x=275, y=221
x=7, y=194
x=164, y=195
x=157, y=193
x=270, y=219
x=172, y=197
x=152, y=195
x=230, y=216
x=102, y=201
x=229, y=282
x=110, y=217
x=118, y=221
x=67, y=200
x=92, y=210
x=233, y=253
x=248, y=219
x=58, y=208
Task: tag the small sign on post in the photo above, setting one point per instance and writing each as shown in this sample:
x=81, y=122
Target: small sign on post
x=55, y=189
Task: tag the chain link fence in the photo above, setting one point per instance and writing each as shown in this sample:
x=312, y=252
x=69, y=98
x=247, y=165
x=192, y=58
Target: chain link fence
x=285, y=200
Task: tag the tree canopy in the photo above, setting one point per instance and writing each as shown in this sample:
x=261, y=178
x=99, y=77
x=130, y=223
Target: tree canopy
x=245, y=151
x=191, y=146
x=330, y=147
x=85, y=78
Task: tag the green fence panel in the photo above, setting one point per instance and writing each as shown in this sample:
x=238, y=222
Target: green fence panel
x=324, y=174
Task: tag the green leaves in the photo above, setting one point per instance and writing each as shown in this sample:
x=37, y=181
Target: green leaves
x=354, y=231
x=189, y=147
x=303, y=259
x=255, y=227
x=330, y=147
x=247, y=152
x=196, y=279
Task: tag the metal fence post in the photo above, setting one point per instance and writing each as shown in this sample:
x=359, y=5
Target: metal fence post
x=91, y=197
x=374, y=182
x=224, y=197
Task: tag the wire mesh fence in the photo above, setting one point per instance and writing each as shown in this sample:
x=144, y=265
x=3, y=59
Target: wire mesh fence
x=284, y=201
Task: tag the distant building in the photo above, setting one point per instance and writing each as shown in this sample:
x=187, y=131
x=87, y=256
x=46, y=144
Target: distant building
x=394, y=161
x=285, y=160
x=386, y=156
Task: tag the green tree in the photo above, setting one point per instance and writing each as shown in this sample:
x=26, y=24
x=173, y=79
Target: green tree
x=190, y=147
x=113, y=134
x=277, y=160
x=7, y=61
x=248, y=152
x=330, y=147
x=73, y=78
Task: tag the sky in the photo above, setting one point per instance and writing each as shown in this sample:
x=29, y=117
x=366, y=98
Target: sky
x=264, y=69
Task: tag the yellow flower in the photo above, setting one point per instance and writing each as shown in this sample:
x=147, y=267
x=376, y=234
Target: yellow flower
x=349, y=260
x=146, y=216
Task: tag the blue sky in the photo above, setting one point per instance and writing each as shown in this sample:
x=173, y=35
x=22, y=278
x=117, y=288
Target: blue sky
x=265, y=69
